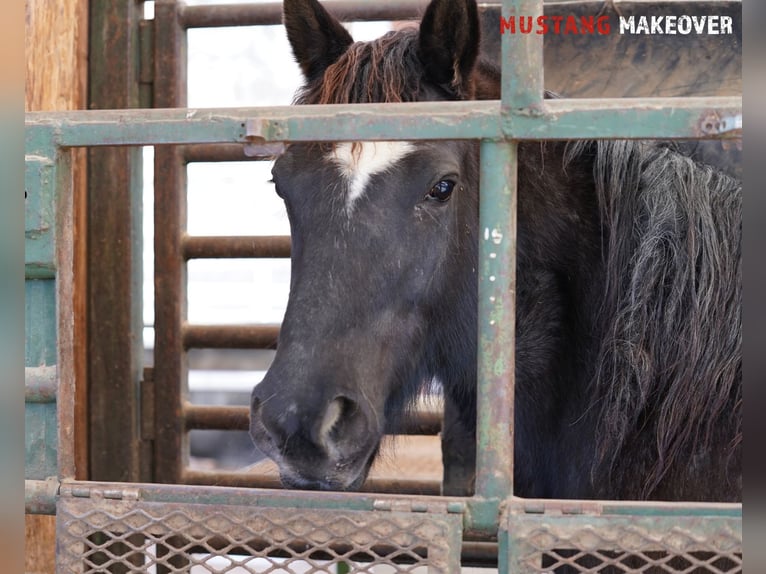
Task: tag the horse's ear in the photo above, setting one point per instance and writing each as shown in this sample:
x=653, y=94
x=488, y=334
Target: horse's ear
x=449, y=43
x=317, y=38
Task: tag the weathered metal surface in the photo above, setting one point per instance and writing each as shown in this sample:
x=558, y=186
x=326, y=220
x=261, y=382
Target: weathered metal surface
x=170, y=360
x=115, y=252
x=39, y=228
x=40, y=496
x=626, y=118
x=225, y=152
x=263, y=246
x=522, y=61
x=588, y=540
x=40, y=384
x=497, y=293
x=100, y=533
x=270, y=13
x=230, y=336
x=41, y=438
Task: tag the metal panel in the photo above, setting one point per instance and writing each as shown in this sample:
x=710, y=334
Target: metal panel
x=602, y=542
x=108, y=531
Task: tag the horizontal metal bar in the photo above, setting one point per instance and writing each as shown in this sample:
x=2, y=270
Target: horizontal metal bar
x=252, y=480
x=631, y=118
x=206, y=247
x=205, y=417
x=40, y=384
x=623, y=508
x=230, y=336
x=231, y=152
x=270, y=13
x=36, y=270
x=282, y=498
x=40, y=496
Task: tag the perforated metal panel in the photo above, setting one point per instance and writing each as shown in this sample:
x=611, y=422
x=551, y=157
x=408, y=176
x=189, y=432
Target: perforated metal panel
x=658, y=544
x=104, y=535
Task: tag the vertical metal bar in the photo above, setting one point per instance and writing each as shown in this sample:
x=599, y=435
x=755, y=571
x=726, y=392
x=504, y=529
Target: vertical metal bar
x=115, y=347
x=170, y=360
x=497, y=319
x=65, y=304
x=521, y=56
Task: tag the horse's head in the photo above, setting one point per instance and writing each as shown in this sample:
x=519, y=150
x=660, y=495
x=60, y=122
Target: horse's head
x=382, y=292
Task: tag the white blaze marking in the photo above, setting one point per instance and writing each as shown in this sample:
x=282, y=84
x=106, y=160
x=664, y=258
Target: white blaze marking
x=358, y=163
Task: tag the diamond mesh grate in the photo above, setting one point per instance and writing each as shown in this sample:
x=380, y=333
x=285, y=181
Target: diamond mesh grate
x=606, y=544
x=104, y=535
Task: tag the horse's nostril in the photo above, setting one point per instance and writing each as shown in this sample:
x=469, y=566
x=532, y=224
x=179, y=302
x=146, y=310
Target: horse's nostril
x=342, y=426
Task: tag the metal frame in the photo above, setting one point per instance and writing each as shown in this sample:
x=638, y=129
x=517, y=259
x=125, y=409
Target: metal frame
x=521, y=114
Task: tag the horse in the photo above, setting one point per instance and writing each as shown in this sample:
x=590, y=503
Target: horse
x=628, y=299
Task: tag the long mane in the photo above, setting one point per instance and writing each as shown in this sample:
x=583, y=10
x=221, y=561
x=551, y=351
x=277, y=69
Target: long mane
x=670, y=361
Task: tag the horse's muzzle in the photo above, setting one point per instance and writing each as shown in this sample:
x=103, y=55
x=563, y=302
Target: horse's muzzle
x=316, y=446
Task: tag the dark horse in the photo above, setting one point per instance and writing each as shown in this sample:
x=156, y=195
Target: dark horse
x=628, y=363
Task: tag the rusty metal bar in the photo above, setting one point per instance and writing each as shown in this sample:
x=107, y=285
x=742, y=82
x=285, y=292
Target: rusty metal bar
x=229, y=336
x=253, y=480
x=170, y=360
x=265, y=246
x=231, y=152
x=204, y=417
x=114, y=299
x=40, y=496
x=40, y=384
x=270, y=13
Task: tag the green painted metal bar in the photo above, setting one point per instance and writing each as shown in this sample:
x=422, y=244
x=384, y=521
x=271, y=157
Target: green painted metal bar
x=40, y=429
x=151, y=492
x=40, y=384
x=497, y=290
x=40, y=211
x=522, y=60
x=653, y=118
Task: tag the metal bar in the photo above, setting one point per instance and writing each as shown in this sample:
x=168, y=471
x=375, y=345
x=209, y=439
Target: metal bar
x=65, y=309
x=230, y=336
x=170, y=360
x=497, y=289
x=624, y=118
x=265, y=246
x=522, y=60
x=114, y=315
x=40, y=384
x=252, y=480
x=270, y=13
x=229, y=152
x=40, y=496
x=204, y=417
x=283, y=498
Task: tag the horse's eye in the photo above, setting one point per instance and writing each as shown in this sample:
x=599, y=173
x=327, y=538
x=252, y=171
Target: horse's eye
x=442, y=191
